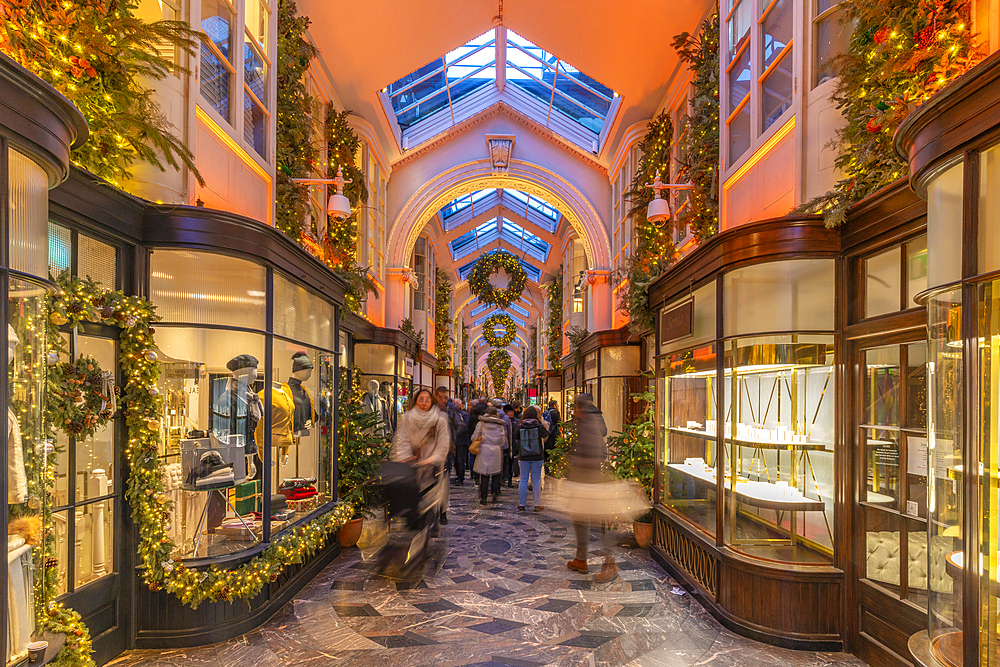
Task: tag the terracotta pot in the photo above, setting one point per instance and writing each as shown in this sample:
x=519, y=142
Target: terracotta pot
x=351, y=532
x=643, y=533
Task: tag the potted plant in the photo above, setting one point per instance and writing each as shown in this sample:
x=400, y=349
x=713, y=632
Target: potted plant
x=363, y=448
x=631, y=455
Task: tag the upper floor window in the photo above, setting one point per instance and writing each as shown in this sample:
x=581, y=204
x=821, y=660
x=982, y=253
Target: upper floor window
x=831, y=35
x=758, y=79
x=235, y=67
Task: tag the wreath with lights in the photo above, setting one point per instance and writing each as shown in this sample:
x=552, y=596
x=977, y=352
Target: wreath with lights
x=494, y=262
x=495, y=321
x=498, y=361
x=82, y=398
x=85, y=300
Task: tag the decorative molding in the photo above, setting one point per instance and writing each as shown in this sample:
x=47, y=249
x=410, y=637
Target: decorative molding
x=367, y=132
x=496, y=109
x=403, y=274
x=632, y=135
x=501, y=148
x=595, y=276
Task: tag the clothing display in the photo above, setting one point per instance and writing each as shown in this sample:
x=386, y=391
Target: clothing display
x=282, y=413
x=212, y=472
x=305, y=409
x=17, y=480
x=238, y=411
x=20, y=607
x=212, y=462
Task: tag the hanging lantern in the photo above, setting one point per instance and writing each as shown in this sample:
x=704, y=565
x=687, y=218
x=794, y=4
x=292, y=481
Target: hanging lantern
x=658, y=209
x=338, y=206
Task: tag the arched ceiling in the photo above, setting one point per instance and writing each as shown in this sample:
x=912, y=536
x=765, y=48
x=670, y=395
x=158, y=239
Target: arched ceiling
x=368, y=45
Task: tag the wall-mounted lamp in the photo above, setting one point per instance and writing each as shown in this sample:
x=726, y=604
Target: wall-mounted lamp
x=338, y=205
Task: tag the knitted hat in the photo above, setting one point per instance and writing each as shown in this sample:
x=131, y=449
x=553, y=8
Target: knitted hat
x=300, y=362
x=242, y=361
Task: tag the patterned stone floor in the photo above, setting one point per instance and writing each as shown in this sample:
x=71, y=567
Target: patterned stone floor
x=498, y=595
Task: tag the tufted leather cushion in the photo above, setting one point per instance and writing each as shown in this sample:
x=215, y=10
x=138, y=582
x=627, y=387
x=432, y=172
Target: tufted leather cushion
x=882, y=559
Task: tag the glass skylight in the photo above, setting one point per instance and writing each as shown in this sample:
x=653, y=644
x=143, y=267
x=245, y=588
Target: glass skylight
x=482, y=319
x=534, y=273
x=465, y=81
x=537, y=211
x=521, y=239
x=465, y=202
x=474, y=239
x=478, y=309
x=483, y=306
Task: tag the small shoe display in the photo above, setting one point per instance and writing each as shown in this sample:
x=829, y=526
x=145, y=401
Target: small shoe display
x=578, y=566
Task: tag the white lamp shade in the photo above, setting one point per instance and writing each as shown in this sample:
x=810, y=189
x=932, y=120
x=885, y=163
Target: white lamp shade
x=658, y=210
x=338, y=206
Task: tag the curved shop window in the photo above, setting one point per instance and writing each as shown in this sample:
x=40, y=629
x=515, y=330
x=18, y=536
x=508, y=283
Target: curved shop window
x=231, y=388
x=386, y=388
x=764, y=425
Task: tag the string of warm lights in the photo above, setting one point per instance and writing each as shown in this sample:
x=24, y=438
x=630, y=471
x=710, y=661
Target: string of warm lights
x=499, y=363
x=486, y=266
x=499, y=320
x=554, y=327
x=442, y=320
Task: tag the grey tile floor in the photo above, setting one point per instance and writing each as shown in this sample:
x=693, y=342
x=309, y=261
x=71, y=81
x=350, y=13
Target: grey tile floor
x=497, y=594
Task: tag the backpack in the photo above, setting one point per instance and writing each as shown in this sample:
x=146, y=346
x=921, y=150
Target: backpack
x=531, y=444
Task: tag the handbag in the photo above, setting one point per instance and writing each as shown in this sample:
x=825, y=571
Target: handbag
x=475, y=446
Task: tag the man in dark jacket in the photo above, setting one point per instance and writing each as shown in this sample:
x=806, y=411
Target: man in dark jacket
x=554, y=419
x=529, y=443
x=510, y=413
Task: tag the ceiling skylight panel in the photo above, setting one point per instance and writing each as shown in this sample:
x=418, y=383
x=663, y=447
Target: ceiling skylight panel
x=518, y=309
x=474, y=239
x=478, y=309
x=518, y=237
x=482, y=319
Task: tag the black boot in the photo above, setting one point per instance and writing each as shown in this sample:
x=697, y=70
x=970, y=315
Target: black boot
x=444, y=518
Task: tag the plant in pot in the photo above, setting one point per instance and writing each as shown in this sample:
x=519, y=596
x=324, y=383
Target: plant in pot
x=631, y=455
x=363, y=448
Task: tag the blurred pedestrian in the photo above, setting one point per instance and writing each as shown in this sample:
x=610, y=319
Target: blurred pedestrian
x=422, y=438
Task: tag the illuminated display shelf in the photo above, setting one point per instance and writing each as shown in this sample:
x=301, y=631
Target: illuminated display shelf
x=756, y=444
x=747, y=495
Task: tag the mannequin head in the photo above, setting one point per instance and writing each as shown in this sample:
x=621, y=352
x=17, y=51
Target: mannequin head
x=302, y=366
x=243, y=367
x=246, y=375
x=373, y=386
x=12, y=342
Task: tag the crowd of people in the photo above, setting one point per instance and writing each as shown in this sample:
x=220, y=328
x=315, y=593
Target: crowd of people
x=497, y=442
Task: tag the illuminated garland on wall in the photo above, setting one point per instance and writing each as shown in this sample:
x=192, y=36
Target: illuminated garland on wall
x=143, y=408
x=553, y=329
x=900, y=54
x=442, y=320
x=486, y=266
x=498, y=362
x=499, y=320
x=96, y=53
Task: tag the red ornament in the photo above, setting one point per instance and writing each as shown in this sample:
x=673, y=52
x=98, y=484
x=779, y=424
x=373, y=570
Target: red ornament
x=873, y=126
x=881, y=35
x=925, y=37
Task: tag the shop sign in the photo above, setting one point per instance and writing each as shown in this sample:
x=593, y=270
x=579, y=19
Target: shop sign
x=408, y=367
x=677, y=322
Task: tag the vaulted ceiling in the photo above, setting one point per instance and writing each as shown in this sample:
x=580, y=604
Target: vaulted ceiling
x=626, y=45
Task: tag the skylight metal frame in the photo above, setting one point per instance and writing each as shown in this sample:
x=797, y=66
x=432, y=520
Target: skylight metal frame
x=534, y=273
x=469, y=104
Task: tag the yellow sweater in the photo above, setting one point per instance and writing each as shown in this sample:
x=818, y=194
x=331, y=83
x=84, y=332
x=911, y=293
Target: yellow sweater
x=282, y=413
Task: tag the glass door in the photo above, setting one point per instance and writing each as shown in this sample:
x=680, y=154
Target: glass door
x=87, y=513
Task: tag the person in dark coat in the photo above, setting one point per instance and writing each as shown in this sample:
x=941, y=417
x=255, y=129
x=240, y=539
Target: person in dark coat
x=554, y=419
x=529, y=443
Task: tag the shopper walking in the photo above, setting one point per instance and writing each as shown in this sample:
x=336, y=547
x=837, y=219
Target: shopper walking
x=529, y=439
x=462, y=441
x=456, y=426
x=492, y=439
x=585, y=462
x=507, y=476
x=477, y=411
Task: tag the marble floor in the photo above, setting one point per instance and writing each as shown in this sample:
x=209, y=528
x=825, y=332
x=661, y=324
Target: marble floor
x=497, y=594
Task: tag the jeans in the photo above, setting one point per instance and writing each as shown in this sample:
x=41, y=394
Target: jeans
x=534, y=469
x=461, y=458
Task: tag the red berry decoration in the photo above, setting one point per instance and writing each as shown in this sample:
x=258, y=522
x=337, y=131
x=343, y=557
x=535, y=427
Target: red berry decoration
x=873, y=126
x=925, y=37
x=882, y=35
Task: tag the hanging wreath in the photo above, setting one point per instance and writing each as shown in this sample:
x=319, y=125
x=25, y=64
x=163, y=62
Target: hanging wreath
x=82, y=397
x=495, y=321
x=498, y=362
x=494, y=262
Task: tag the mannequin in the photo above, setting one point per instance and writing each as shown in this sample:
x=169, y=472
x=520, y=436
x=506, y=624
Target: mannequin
x=388, y=405
x=282, y=415
x=305, y=409
x=372, y=400
x=17, y=479
x=238, y=410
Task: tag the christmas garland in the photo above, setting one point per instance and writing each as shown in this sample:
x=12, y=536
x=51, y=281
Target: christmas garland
x=82, y=300
x=498, y=361
x=499, y=320
x=81, y=397
x=442, y=319
x=553, y=330
x=97, y=54
x=901, y=52
x=486, y=266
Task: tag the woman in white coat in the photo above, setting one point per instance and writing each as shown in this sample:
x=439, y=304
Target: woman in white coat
x=492, y=435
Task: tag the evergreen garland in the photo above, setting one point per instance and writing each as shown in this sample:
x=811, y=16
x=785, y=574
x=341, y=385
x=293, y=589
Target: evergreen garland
x=96, y=52
x=465, y=347
x=499, y=363
x=494, y=262
x=499, y=320
x=632, y=450
x=553, y=329
x=442, y=320
x=296, y=150
x=901, y=52
x=698, y=143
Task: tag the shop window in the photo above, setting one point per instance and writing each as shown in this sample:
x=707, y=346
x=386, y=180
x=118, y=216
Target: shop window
x=300, y=314
x=207, y=288
x=831, y=35
x=420, y=269
x=28, y=209
x=82, y=255
x=784, y=296
x=386, y=389
x=893, y=277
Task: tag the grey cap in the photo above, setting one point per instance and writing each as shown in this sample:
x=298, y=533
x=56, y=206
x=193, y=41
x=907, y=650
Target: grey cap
x=242, y=361
x=301, y=361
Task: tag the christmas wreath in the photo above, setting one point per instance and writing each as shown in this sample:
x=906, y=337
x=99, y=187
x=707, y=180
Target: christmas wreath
x=494, y=262
x=498, y=362
x=495, y=321
x=82, y=397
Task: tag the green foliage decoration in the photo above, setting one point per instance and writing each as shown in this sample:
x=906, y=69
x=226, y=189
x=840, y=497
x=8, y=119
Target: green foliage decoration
x=557, y=458
x=442, y=319
x=362, y=447
x=486, y=266
x=76, y=402
x=553, y=329
x=576, y=336
x=97, y=53
x=406, y=326
x=632, y=450
x=498, y=362
x=499, y=320
x=296, y=149
x=901, y=53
